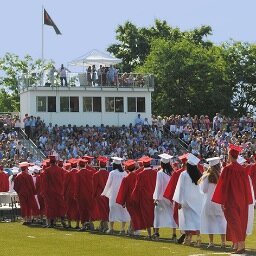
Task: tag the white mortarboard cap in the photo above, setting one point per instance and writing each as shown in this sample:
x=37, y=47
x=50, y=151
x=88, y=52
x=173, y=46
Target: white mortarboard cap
x=165, y=158
x=15, y=170
x=241, y=160
x=193, y=160
x=213, y=161
x=117, y=160
x=31, y=169
x=37, y=168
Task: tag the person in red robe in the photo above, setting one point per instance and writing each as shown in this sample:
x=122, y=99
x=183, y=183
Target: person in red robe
x=233, y=192
x=53, y=192
x=101, y=202
x=69, y=193
x=4, y=180
x=124, y=197
x=24, y=186
x=39, y=196
x=83, y=195
x=143, y=193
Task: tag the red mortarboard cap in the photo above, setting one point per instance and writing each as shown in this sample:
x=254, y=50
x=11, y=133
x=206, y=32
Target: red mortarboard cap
x=183, y=158
x=89, y=158
x=73, y=161
x=129, y=163
x=234, y=150
x=145, y=159
x=102, y=159
x=23, y=164
x=82, y=162
x=67, y=165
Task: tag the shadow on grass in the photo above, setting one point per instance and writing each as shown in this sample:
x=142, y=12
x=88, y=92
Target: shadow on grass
x=213, y=250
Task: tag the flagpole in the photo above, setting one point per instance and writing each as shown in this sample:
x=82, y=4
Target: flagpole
x=42, y=74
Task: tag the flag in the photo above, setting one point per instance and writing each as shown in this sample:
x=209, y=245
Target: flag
x=48, y=21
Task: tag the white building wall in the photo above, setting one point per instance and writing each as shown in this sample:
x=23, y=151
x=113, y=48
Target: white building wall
x=28, y=105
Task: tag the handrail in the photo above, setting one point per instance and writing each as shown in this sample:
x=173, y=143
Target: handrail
x=32, y=147
x=79, y=79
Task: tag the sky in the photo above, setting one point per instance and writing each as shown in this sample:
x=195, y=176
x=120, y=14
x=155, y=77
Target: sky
x=87, y=25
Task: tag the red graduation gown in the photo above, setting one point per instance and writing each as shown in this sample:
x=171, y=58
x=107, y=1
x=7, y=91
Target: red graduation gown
x=143, y=193
x=101, y=204
x=69, y=195
x=53, y=191
x=234, y=192
x=83, y=194
x=4, y=182
x=24, y=186
x=170, y=189
x=39, y=194
x=124, y=197
x=252, y=174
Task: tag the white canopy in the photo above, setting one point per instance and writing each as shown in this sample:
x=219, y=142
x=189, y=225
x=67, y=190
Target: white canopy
x=95, y=57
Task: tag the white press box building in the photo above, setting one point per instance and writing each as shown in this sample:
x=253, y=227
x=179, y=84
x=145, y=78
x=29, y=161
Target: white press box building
x=115, y=104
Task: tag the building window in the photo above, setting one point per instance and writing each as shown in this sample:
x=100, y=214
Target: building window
x=141, y=104
x=109, y=104
x=119, y=104
x=64, y=104
x=41, y=104
x=74, y=104
x=131, y=104
x=114, y=104
x=69, y=104
x=136, y=104
x=51, y=104
x=87, y=104
x=92, y=104
x=46, y=104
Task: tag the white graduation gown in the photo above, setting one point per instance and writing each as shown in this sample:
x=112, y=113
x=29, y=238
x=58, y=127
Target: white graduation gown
x=116, y=211
x=250, y=211
x=188, y=195
x=213, y=220
x=163, y=212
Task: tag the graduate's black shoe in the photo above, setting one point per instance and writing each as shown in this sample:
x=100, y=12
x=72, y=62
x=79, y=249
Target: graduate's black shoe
x=181, y=239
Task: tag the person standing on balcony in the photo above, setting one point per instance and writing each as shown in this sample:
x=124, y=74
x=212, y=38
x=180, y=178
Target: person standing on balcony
x=63, y=75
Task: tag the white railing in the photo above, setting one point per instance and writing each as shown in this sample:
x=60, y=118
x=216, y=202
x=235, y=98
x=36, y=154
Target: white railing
x=129, y=80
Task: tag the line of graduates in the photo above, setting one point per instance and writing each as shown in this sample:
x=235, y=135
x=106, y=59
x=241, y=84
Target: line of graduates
x=196, y=199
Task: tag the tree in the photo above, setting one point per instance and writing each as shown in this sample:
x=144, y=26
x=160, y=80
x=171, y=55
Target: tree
x=135, y=43
x=241, y=72
x=190, y=78
x=15, y=72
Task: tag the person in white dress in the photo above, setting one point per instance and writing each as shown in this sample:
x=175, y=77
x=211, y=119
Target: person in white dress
x=116, y=211
x=213, y=220
x=163, y=213
x=187, y=195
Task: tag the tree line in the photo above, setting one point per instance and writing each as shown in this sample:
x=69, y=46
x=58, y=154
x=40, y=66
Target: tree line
x=192, y=74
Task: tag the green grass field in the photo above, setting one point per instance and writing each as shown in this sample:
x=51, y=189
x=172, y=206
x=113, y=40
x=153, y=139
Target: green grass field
x=19, y=240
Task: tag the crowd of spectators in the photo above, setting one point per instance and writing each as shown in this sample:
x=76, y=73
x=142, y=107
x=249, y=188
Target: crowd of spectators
x=173, y=135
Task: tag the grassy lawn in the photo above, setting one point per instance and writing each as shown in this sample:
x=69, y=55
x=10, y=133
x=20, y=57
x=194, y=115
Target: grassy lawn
x=19, y=240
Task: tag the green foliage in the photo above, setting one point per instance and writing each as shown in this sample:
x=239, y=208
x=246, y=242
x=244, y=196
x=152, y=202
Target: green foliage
x=241, y=71
x=15, y=72
x=190, y=78
x=135, y=43
x=8, y=102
